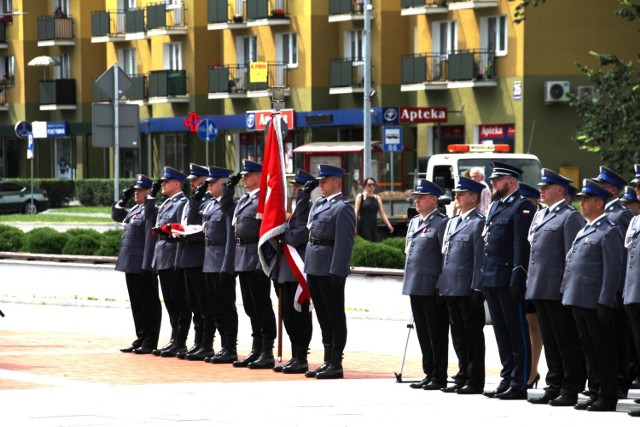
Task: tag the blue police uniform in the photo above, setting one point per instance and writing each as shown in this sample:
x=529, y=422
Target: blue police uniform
x=552, y=232
x=591, y=278
x=219, y=270
x=504, y=272
x=331, y=226
x=164, y=261
x=462, y=254
x=134, y=259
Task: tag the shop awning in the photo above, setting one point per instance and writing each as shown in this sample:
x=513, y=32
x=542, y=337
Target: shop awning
x=333, y=147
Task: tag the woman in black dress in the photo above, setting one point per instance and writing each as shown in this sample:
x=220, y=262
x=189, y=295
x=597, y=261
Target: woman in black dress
x=367, y=207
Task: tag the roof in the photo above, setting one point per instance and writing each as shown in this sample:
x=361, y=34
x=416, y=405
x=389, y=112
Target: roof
x=333, y=147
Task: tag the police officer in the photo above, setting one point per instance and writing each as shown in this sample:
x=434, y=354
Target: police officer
x=332, y=225
x=504, y=274
x=134, y=259
x=632, y=279
x=459, y=283
x=164, y=259
x=630, y=200
x=592, y=275
x=220, y=283
x=620, y=216
x=190, y=259
x=551, y=234
x=254, y=284
x=296, y=317
x=423, y=265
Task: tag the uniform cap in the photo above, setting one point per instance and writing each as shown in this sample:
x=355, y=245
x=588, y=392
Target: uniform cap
x=636, y=170
x=325, y=171
x=424, y=186
x=528, y=191
x=249, y=166
x=302, y=177
x=549, y=177
x=500, y=169
x=172, y=173
x=216, y=173
x=610, y=177
x=142, y=181
x=592, y=188
x=629, y=195
x=468, y=184
x=197, y=171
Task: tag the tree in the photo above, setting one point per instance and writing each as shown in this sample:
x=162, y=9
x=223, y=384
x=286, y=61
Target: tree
x=611, y=118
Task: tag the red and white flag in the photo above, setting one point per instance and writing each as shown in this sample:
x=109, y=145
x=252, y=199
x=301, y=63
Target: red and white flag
x=272, y=209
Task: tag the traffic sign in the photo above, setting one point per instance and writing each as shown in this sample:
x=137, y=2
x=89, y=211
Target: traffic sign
x=207, y=130
x=392, y=138
x=23, y=129
x=30, y=146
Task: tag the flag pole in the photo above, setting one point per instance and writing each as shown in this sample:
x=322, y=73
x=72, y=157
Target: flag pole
x=277, y=104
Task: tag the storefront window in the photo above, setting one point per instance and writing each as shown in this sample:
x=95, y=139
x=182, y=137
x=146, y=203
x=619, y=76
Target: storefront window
x=446, y=135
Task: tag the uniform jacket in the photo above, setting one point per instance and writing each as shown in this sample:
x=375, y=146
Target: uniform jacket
x=137, y=245
x=632, y=279
x=424, y=254
x=594, y=266
x=190, y=251
x=462, y=253
x=170, y=211
x=550, y=237
x=296, y=234
x=246, y=226
x=330, y=220
x=218, y=257
x=621, y=216
x=506, y=249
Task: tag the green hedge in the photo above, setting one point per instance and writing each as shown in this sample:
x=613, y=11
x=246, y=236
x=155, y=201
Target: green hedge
x=99, y=192
x=59, y=191
x=387, y=254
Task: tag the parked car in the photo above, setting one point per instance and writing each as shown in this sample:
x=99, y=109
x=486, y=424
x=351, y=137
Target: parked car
x=16, y=197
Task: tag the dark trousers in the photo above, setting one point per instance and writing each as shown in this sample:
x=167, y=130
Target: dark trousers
x=633, y=311
x=256, y=297
x=467, y=337
x=145, y=308
x=298, y=324
x=597, y=341
x=175, y=300
x=203, y=318
x=566, y=374
x=327, y=293
x=512, y=336
x=623, y=345
x=432, y=328
x=221, y=292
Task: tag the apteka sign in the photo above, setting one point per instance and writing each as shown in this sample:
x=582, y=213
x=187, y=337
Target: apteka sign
x=424, y=115
x=257, y=120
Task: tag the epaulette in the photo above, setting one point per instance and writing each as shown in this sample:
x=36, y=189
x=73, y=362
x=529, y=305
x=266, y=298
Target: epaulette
x=441, y=215
x=479, y=214
x=611, y=223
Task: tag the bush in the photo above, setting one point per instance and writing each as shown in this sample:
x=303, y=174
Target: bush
x=44, y=240
x=99, y=192
x=110, y=245
x=59, y=191
x=82, y=244
x=395, y=242
x=11, y=238
x=369, y=254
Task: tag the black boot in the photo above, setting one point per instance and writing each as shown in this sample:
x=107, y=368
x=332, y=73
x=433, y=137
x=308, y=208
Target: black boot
x=206, y=347
x=251, y=357
x=334, y=370
x=279, y=368
x=266, y=360
x=323, y=367
x=228, y=354
x=178, y=347
x=299, y=364
x=174, y=333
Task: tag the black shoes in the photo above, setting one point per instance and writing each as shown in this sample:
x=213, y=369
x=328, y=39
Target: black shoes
x=296, y=367
x=434, y=385
x=265, y=361
x=143, y=350
x=512, y=394
x=634, y=413
x=426, y=380
x=501, y=389
x=251, y=357
x=584, y=405
x=451, y=389
x=468, y=389
x=223, y=356
x=167, y=346
x=128, y=349
x=173, y=351
x=331, y=373
x=321, y=368
x=201, y=354
x=534, y=383
x=600, y=406
x=545, y=398
x=564, y=400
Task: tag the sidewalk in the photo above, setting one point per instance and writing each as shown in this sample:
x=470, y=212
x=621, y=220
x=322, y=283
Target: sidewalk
x=59, y=366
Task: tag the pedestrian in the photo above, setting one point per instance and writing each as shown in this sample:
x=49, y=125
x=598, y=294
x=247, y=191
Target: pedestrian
x=164, y=258
x=459, y=284
x=592, y=274
x=296, y=317
x=477, y=174
x=218, y=268
x=504, y=274
x=134, y=259
x=332, y=224
x=254, y=284
x=367, y=206
x=551, y=234
x=423, y=249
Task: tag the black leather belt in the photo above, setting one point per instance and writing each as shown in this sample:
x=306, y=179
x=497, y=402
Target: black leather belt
x=320, y=242
x=212, y=242
x=240, y=241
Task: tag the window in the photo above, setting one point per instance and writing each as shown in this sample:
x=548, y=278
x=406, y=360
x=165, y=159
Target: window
x=247, y=49
x=63, y=68
x=127, y=61
x=6, y=6
x=353, y=45
x=172, y=149
x=287, y=48
x=445, y=36
x=7, y=70
x=493, y=34
x=126, y=4
x=172, y=56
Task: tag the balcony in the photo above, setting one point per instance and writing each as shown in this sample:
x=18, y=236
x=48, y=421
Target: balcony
x=346, y=75
x=134, y=24
x=168, y=86
x=346, y=10
x=54, y=31
x=3, y=36
x=226, y=15
x=423, y=7
x=107, y=26
x=4, y=85
x=457, y=69
x=166, y=19
x=59, y=94
x=137, y=93
x=232, y=81
x=472, y=4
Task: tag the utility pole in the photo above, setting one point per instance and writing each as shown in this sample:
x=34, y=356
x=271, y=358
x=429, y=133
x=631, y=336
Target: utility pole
x=366, y=105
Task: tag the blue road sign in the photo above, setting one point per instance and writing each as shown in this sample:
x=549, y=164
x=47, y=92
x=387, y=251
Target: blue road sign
x=23, y=129
x=207, y=130
x=392, y=138
x=30, y=146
